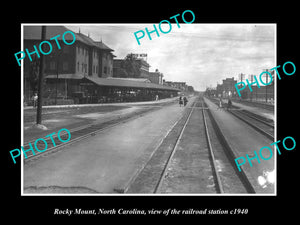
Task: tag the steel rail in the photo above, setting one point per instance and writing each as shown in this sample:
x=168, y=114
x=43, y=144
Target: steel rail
x=231, y=155
x=249, y=114
x=260, y=130
x=218, y=182
x=159, y=184
x=162, y=170
x=93, y=131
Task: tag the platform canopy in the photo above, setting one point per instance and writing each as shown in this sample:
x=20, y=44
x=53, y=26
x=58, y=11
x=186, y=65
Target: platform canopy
x=115, y=82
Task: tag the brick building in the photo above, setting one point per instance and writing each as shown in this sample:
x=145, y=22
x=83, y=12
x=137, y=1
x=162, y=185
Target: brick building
x=179, y=85
x=65, y=67
x=142, y=65
x=227, y=88
x=156, y=77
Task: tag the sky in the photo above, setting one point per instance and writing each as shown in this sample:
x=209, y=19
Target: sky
x=201, y=55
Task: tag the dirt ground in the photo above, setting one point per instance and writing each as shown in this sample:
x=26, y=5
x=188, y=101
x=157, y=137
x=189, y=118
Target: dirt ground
x=57, y=118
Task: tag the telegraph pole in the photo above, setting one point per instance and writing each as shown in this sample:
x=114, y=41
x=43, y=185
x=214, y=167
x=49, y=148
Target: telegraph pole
x=40, y=82
x=251, y=79
x=241, y=78
x=267, y=86
x=266, y=89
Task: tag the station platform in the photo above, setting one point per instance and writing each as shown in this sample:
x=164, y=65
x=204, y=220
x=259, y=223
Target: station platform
x=106, y=104
x=103, y=161
x=243, y=140
x=71, y=117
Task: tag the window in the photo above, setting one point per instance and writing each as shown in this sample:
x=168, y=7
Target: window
x=78, y=66
x=66, y=49
x=52, y=65
x=105, y=69
x=65, y=66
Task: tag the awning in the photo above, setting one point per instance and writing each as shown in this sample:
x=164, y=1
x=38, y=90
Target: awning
x=128, y=83
x=114, y=82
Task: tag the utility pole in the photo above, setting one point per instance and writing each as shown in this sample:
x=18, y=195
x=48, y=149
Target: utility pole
x=57, y=55
x=241, y=78
x=266, y=90
x=57, y=62
x=40, y=82
x=251, y=79
x=267, y=86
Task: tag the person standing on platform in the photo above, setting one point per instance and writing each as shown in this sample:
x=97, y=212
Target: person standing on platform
x=180, y=101
x=229, y=104
x=185, y=101
x=220, y=105
x=34, y=99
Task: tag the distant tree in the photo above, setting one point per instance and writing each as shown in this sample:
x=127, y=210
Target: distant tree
x=190, y=89
x=33, y=75
x=120, y=72
x=131, y=66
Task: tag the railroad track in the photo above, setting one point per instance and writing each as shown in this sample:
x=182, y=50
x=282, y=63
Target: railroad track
x=78, y=134
x=257, y=104
x=261, y=124
x=195, y=163
x=215, y=174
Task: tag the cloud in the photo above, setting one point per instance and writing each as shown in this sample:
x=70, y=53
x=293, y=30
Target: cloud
x=200, y=54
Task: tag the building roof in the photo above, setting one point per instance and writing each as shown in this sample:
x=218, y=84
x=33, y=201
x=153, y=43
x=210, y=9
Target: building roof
x=34, y=33
x=65, y=76
x=114, y=82
x=140, y=61
x=128, y=83
x=85, y=39
x=178, y=82
x=103, y=46
x=156, y=74
x=129, y=78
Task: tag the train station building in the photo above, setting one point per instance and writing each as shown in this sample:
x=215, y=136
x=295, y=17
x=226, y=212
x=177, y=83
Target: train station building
x=264, y=93
x=83, y=72
x=227, y=88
